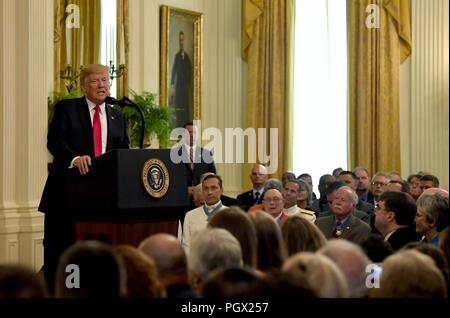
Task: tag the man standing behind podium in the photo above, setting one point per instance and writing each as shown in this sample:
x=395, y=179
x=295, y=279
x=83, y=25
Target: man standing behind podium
x=81, y=129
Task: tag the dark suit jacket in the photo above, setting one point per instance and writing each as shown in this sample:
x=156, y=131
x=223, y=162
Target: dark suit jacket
x=402, y=237
x=354, y=229
x=70, y=135
x=365, y=207
x=203, y=163
x=246, y=200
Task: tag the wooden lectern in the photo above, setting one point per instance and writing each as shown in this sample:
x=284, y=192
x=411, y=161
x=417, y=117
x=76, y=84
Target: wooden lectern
x=111, y=203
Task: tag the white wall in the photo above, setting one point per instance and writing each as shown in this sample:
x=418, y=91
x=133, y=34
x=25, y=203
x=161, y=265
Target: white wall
x=424, y=99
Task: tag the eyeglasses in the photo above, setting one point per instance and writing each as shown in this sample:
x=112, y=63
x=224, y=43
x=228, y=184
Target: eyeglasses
x=378, y=184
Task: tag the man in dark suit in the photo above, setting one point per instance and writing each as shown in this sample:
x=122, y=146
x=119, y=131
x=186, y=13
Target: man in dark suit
x=258, y=176
x=342, y=223
x=394, y=218
x=81, y=129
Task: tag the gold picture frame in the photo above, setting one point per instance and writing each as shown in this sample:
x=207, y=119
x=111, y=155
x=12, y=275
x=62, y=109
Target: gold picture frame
x=181, y=63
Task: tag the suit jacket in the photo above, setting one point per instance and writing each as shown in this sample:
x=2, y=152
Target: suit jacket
x=70, y=135
x=246, y=200
x=353, y=230
x=402, y=237
x=203, y=162
x=363, y=216
x=366, y=207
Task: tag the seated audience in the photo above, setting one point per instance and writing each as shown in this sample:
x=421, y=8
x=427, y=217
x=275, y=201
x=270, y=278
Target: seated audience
x=352, y=261
x=398, y=186
x=238, y=223
x=304, y=200
x=294, y=191
x=394, y=218
x=273, y=204
x=287, y=176
x=410, y=274
x=170, y=260
x=142, y=274
x=362, y=187
x=378, y=186
x=318, y=204
x=414, y=185
x=17, y=281
x=308, y=179
x=300, y=235
x=101, y=272
x=212, y=249
x=350, y=179
x=271, y=252
x=376, y=248
x=269, y=184
x=258, y=177
x=428, y=181
x=432, y=216
x=322, y=274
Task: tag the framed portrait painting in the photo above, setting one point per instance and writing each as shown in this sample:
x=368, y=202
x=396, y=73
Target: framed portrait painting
x=181, y=63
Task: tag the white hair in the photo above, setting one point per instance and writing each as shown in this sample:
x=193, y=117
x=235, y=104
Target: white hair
x=213, y=248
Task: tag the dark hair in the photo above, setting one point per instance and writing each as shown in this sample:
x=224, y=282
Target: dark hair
x=333, y=186
x=189, y=123
x=376, y=248
x=402, y=204
x=345, y=172
x=17, y=281
x=412, y=176
x=215, y=176
x=403, y=183
x=304, y=175
x=430, y=177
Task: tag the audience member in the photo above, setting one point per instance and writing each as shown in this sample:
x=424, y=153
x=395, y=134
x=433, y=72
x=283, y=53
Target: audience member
x=170, y=260
x=378, y=186
x=376, y=248
x=336, y=172
x=318, y=204
x=432, y=216
x=238, y=223
x=349, y=178
x=428, y=181
x=308, y=179
x=300, y=235
x=362, y=188
x=287, y=176
x=294, y=191
x=269, y=184
x=414, y=185
x=17, y=281
x=398, y=186
x=258, y=176
x=273, y=204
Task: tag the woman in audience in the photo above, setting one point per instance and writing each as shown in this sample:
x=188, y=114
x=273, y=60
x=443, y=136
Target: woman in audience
x=237, y=222
x=142, y=275
x=323, y=275
x=271, y=252
x=304, y=200
x=410, y=274
x=300, y=235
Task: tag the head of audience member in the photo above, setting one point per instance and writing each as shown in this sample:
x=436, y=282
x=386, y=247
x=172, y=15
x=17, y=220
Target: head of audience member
x=398, y=186
x=273, y=202
x=294, y=191
x=168, y=255
x=378, y=185
x=349, y=178
x=273, y=183
x=432, y=214
x=324, y=181
x=323, y=275
x=287, y=176
x=336, y=172
x=142, y=274
x=362, y=176
x=304, y=197
x=393, y=211
x=423, y=173
x=231, y=283
x=212, y=249
x=440, y=191
x=376, y=248
x=190, y=134
x=428, y=181
x=271, y=252
x=95, y=83
x=212, y=189
x=394, y=176
x=330, y=192
x=197, y=195
x=414, y=185
x=17, y=281
x=258, y=176
x=345, y=201
x=102, y=270
x=410, y=274
x=238, y=223
x=300, y=235
x=308, y=179
x=435, y=253
x=352, y=261
x=282, y=285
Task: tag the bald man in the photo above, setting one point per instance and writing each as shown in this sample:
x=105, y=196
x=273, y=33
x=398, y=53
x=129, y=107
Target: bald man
x=258, y=176
x=273, y=204
x=170, y=259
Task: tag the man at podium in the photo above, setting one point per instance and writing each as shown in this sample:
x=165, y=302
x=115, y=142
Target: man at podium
x=81, y=129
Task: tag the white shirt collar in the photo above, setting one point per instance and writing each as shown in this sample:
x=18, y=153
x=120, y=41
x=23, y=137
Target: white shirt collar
x=292, y=210
x=389, y=235
x=92, y=105
x=212, y=207
x=258, y=190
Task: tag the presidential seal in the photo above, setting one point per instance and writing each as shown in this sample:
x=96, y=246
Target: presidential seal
x=155, y=178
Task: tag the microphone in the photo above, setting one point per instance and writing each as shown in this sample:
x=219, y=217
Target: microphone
x=125, y=101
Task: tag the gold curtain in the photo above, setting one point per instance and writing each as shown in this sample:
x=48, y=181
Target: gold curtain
x=89, y=14
x=266, y=40
x=375, y=55
x=122, y=22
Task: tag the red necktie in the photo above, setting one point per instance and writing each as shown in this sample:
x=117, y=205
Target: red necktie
x=191, y=158
x=97, y=132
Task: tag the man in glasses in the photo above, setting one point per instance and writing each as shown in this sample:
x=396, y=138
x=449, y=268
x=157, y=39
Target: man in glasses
x=378, y=186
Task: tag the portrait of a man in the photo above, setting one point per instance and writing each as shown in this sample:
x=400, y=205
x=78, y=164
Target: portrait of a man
x=181, y=84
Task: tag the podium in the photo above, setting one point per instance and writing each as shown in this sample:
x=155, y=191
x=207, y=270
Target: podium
x=111, y=204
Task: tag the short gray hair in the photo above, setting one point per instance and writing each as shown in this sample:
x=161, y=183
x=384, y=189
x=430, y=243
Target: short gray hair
x=273, y=184
x=355, y=197
x=212, y=249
